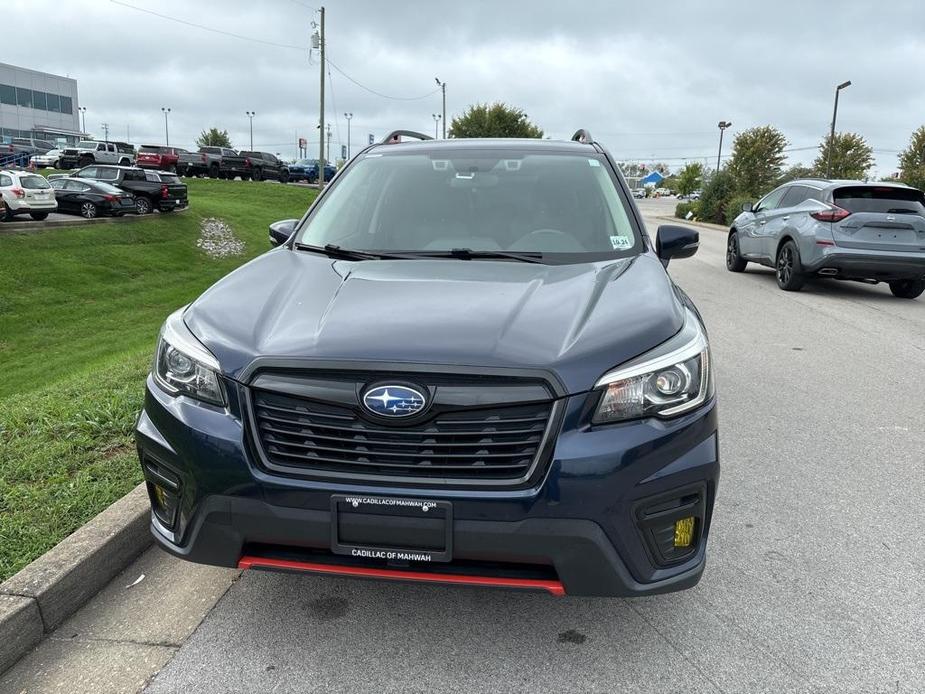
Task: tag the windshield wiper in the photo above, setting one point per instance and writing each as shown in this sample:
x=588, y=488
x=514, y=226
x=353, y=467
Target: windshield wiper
x=469, y=254
x=334, y=251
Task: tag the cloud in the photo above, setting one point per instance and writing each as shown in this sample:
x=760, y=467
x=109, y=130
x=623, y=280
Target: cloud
x=649, y=80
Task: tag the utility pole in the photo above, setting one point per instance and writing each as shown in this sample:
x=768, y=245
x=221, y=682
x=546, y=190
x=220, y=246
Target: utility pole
x=321, y=158
x=348, y=116
x=105, y=127
x=83, y=115
x=828, y=159
x=723, y=124
x=166, y=110
x=442, y=86
x=436, y=117
x=250, y=115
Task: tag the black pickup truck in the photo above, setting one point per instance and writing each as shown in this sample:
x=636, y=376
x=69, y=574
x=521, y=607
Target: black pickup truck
x=256, y=166
x=153, y=190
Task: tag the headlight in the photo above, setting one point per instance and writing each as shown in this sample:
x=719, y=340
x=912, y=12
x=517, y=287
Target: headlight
x=672, y=379
x=182, y=366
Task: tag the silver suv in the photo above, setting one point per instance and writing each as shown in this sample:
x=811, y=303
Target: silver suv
x=851, y=230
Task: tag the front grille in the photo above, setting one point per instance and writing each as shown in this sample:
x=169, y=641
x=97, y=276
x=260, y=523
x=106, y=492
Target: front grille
x=498, y=443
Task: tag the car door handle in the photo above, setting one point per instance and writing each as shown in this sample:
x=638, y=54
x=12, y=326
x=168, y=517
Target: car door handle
x=763, y=222
x=785, y=218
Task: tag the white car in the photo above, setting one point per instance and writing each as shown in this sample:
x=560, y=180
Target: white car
x=22, y=192
x=49, y=159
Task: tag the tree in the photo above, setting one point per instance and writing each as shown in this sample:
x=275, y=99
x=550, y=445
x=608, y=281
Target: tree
x=757, y=158
x=494, y=120
x=213, y=137
x=851, y=157
x=793, y=173
x=912, y=160
x=690, y=178
x=717, y=193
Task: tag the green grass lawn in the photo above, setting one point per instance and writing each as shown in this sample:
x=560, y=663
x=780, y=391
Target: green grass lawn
x=80, y=308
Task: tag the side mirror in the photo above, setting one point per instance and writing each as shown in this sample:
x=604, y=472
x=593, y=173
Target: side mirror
x=748, y=207
x=675, y=242
x=281, y=231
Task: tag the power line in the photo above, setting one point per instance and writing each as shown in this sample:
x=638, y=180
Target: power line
x=208, y=28
x=373, y=91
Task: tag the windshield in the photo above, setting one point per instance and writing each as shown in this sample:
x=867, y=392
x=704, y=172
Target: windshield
x=33, y=182
x=86, y=144
x=307, y=162
x=107, y=188
x=566, y=207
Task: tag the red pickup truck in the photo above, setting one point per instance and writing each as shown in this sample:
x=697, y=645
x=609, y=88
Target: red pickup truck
x=159, y=157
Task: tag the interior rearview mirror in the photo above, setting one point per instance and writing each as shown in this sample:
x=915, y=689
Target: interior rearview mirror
x=281, y=231
x=675, y=242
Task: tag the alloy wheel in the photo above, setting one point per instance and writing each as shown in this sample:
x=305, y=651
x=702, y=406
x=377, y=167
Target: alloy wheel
x=785, y=265
x=88, y=210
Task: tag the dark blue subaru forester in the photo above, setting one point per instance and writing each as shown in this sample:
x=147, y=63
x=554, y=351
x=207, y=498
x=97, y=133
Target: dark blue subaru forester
x=465, y=364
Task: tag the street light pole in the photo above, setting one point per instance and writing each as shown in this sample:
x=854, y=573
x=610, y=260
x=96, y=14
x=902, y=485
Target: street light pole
x=348, y=116
x=250, y=115
x=83, y=116
x=723, y=124
x=828, y=159
x=442, y=86
x=436, y=117
x=166, y=110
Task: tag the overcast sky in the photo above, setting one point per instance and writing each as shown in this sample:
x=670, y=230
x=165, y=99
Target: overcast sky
x=649, y=79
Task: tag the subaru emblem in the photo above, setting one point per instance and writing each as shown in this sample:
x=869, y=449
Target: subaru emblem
x=394, y=401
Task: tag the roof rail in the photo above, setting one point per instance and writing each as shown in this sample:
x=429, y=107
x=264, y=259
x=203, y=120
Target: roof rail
x=395, y=136
x=583, y=136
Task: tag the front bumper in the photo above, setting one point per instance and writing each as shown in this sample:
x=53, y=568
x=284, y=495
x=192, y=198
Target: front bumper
x=580, y=525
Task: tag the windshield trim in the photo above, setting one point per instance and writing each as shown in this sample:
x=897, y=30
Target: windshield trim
x=642, y=243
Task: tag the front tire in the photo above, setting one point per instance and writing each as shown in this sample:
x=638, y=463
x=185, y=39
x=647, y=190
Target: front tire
x=84, y=161
x=124, y=162
x=734, y=261
x=6, y=214
x=907, y=289
x=38, y=216
x=284, y=176
x=790, y=275
x=142, y=205
x=88, y=210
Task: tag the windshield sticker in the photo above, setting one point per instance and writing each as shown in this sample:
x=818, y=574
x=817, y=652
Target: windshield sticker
x=593, y=162
x=620, y=243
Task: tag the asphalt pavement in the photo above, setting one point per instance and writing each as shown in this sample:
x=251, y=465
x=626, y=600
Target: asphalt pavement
x=816, y=574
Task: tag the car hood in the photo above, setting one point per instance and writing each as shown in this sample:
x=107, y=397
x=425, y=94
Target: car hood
x=576, y=321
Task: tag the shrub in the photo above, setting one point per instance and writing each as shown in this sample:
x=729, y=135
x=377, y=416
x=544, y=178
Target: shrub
x=716, y=195
x=734, y=207
x=682, y=208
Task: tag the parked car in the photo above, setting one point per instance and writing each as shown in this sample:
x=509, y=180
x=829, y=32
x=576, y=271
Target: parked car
x=159, y=157
x=18, y=151
x=49, y=159
x=153, y=190
x=22, y=192
x=467, y=364
x=256, y=166
x=89, y=152
x=91, y=199
x=639, y=193
x=850, y=230
x=307, y=170
x=207, y=161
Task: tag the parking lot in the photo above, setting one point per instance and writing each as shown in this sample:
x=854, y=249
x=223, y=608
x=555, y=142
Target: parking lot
x=813, y=582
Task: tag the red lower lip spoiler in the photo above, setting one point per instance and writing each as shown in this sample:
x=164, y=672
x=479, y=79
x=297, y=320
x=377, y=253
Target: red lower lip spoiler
x=550, y=586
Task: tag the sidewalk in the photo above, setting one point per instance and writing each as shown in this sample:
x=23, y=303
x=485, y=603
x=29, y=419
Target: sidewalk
x=127, y=633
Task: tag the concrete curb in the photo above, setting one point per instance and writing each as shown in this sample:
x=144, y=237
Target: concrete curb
x=49, y=590
x=34, y=227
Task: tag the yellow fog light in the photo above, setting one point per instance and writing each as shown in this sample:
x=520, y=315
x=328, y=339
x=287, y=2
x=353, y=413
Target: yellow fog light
x=684, y=532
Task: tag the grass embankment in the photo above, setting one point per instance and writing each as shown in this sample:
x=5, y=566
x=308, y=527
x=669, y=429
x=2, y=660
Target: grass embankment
x=79, y=312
